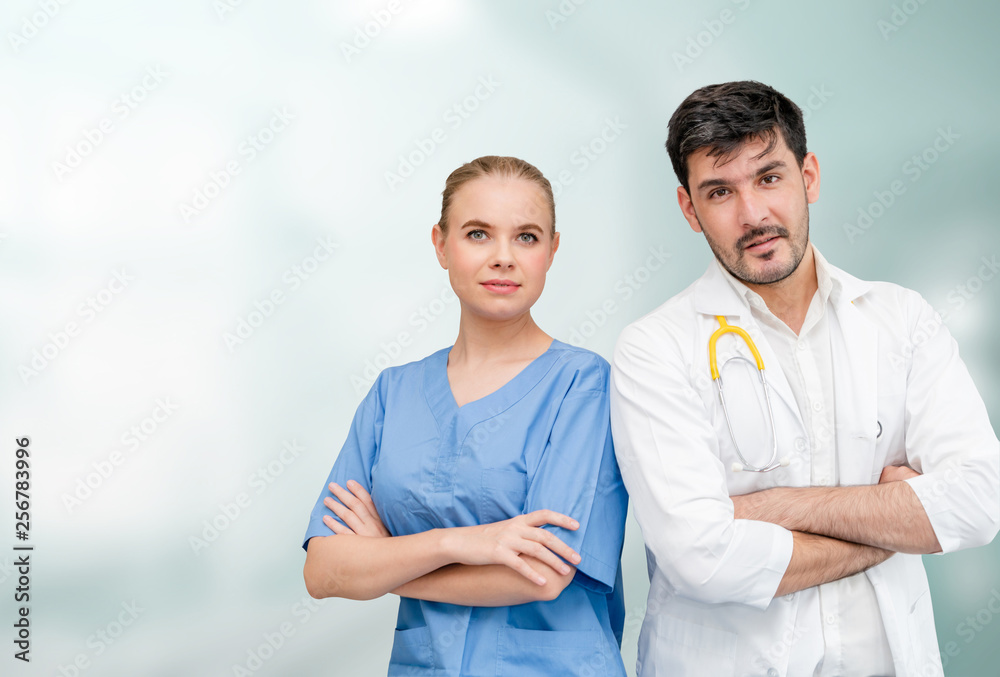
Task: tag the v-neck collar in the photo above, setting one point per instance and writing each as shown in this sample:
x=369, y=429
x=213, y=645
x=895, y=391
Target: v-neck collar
x=437, y=389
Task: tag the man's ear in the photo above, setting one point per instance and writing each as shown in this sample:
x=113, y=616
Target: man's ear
x=810, y=176
x=687, y=208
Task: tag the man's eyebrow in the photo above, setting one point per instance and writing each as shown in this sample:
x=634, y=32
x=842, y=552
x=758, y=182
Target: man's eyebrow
x=769, y=167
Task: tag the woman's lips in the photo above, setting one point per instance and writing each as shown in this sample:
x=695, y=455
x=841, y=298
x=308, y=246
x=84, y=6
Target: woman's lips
x=501, y=286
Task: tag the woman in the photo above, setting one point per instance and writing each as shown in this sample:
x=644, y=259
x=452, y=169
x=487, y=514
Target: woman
x=480, y=484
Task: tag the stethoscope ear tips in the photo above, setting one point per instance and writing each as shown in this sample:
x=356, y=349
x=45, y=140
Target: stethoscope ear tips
x=784, y=462
x=737, y=467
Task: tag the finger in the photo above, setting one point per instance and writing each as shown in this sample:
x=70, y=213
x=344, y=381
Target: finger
x=554, y=543
x=335, y=526
x=343, y=512
x=540, y=517
x=364, y=497
x=545, y=556
x=350, y=500
x=521, y=567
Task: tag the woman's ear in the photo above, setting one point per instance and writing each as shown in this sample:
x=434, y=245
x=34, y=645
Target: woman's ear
x=438, y=238
x=552, y=254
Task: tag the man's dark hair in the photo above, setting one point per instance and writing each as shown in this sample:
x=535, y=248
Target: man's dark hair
x=724, y=117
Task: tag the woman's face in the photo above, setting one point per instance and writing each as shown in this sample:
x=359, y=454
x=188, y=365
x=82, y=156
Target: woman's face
x=498, y=247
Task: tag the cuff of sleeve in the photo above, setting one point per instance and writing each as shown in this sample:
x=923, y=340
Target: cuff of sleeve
x=764, y=580
x=316, y=528
x=932, y=490
x=595, y=575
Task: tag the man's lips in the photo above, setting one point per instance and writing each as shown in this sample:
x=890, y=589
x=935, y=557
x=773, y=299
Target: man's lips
x=762, y=244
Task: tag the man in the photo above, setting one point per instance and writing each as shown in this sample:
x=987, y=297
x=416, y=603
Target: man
x=784, y=531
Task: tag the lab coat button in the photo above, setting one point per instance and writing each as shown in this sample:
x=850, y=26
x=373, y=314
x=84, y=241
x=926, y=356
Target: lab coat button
x=790, y=597
x=771, y=672
x=817, y=406
x=831, y=619
x=802, y=345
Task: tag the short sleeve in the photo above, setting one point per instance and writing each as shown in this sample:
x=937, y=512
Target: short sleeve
x=354, y=462
x=577, y=475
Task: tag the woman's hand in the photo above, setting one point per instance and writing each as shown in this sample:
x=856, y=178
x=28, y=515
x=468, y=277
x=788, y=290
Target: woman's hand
x=503, y=542
x=357, y=510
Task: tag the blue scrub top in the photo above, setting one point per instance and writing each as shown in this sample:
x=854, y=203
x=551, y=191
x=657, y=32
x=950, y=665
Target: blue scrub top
x=543, y=440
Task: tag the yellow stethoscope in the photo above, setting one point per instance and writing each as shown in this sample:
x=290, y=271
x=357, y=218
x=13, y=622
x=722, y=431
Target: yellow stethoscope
x=726, y=328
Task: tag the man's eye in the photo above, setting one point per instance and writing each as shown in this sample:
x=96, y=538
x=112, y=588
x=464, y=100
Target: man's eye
x=719, y=192
x=770, y=178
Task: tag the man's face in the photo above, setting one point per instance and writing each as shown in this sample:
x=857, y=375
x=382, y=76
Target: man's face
x=753, y=209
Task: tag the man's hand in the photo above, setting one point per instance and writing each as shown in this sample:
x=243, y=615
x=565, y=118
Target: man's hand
x=897, y=473
x=750, y=506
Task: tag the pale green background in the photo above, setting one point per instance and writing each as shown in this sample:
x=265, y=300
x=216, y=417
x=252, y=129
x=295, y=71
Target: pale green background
x=163, y=336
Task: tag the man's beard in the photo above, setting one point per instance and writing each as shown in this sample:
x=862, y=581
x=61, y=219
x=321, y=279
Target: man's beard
x=735, y=260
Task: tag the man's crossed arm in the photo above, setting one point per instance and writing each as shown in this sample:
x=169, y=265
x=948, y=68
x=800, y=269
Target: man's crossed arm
x=841, y=531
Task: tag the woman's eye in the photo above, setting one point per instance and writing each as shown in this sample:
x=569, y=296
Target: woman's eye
x=476, y=235
x=528, y=237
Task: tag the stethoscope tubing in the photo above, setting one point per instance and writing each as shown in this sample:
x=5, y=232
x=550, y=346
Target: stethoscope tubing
x=725, y=328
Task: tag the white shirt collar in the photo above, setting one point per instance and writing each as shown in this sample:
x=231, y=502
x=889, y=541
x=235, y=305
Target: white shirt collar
x=827, y=279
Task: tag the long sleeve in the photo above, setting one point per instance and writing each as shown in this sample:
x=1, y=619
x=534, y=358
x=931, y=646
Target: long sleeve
x=949, y=438
x=668, y=454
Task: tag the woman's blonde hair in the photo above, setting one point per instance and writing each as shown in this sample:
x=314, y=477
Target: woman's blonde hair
x=494, y=165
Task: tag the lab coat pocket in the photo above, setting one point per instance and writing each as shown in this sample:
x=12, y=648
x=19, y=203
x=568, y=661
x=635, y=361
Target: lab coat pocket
x=920, y=625
x=889, y=445
x=681, y=647
x=502, y=494
x=543, y=653
x=411, y=648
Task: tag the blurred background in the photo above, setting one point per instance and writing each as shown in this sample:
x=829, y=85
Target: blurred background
x=215, y=231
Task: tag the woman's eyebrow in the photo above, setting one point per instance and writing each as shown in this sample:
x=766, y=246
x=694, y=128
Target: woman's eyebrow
x=476, y=223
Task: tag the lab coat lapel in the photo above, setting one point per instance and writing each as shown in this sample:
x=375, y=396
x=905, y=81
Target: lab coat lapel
x=716, y=296
x=854, y=349
x=773, y=373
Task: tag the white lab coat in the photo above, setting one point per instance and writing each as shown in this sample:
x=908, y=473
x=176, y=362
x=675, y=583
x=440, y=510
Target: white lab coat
x=710, y=609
